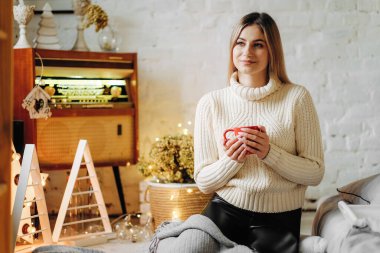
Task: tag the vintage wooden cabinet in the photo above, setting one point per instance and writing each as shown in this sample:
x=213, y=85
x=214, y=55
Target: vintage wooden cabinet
x=94, y=97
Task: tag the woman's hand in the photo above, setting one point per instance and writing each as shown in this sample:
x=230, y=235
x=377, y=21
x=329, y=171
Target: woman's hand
x=256, y=142
x=236, y=150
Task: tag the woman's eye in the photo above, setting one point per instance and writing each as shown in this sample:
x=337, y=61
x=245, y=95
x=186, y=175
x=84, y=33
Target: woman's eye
x=258, y=45
x=240, y=43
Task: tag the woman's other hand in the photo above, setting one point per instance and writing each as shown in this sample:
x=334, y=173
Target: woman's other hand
x=236, y=150
x=256, y=142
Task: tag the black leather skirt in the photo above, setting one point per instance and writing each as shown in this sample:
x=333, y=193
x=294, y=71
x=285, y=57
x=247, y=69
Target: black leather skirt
x=264, y=232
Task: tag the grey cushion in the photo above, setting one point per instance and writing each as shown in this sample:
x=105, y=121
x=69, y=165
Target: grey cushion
x=363, y=192
x=64, y=249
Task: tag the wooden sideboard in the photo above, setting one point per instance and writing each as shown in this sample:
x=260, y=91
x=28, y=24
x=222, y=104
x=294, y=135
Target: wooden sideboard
x=110, y=126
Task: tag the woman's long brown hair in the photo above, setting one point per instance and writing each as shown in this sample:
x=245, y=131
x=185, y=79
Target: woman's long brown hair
x=276, y=66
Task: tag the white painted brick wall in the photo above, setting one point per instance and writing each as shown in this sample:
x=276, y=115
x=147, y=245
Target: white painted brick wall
x=331, y=46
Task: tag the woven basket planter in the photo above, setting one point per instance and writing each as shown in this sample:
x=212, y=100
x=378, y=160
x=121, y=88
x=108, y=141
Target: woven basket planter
x=170, y=202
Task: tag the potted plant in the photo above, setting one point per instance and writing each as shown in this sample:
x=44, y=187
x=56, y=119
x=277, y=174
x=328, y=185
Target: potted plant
x=173, y=194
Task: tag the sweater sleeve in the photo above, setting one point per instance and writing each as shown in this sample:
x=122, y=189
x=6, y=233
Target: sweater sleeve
x=211, y=172
x=307, y=166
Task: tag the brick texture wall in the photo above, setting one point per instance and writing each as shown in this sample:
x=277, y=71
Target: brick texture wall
x=331, y=46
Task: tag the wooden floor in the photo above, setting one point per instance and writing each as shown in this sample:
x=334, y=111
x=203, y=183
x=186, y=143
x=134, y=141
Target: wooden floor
x=306, y=222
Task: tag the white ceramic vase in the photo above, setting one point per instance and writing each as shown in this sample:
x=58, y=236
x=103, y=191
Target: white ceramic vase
x=79, y=7
x=23, y=14
x=80, y=43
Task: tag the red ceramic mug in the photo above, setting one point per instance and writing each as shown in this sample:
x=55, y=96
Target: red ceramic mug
x=236, y=131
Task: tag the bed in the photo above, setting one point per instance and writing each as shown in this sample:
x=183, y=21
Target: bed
x=339, y=229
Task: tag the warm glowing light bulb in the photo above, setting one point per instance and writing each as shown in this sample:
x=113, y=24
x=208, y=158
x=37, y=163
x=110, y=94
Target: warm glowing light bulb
x=150, y=167
x=175, y=215
x=189, y=190
x=128, y=164
x=157, y=139
x=179, y=125
x=31, y=229
x=185, y=131
x=189, y=123
x=16, y=156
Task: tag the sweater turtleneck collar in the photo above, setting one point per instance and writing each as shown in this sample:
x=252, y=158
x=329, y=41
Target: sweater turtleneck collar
x=250, y=93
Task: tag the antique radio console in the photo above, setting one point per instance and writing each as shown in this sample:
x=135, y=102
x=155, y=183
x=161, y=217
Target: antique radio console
x=93, y=97
x=85, y=93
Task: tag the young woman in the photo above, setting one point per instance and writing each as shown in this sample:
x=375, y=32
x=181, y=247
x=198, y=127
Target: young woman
x=260, y=177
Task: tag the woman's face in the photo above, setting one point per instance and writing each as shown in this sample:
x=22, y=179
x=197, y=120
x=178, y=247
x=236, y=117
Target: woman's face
x=250, y=54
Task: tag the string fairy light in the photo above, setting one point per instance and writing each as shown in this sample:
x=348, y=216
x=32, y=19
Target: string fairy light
x=175, y=215
x=184, y=131
x=31, y=229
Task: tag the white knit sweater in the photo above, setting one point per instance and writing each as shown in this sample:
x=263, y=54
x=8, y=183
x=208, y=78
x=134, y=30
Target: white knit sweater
x=295, y=160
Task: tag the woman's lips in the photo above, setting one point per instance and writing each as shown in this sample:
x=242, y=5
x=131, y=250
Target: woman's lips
x=247, y=62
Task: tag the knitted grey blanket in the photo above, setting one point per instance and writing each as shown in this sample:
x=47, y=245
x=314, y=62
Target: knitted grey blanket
x=197, y=234
x=64, y=249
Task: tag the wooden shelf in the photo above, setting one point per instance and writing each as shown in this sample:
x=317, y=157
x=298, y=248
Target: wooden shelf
x=92, y=112
x=60, y=63
x=88, y=72
x=3, y=35
x=72, y=56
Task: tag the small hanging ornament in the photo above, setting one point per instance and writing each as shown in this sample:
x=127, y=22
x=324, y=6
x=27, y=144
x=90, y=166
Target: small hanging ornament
x=37, y=103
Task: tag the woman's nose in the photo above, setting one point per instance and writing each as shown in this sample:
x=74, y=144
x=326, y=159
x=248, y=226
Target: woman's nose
x=247, y=50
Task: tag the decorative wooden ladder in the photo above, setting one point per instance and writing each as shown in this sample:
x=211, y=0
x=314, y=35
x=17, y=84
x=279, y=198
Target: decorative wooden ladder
x=83, y=151
x=30, y=168
x=29, y=194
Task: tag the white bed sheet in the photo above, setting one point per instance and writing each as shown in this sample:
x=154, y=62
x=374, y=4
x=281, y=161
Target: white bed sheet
x=330, y=223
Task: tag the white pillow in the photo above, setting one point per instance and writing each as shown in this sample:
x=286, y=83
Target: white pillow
x=365, y=191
